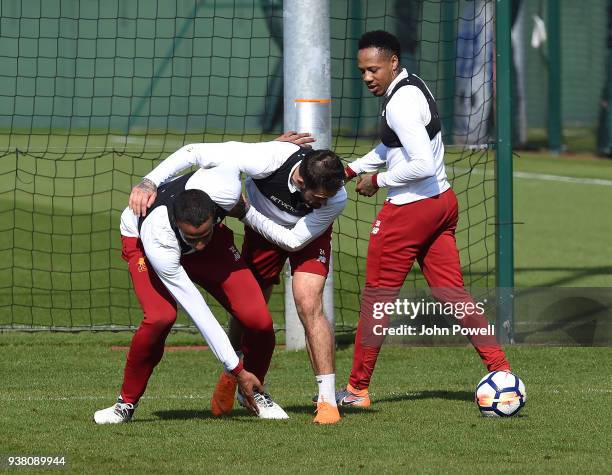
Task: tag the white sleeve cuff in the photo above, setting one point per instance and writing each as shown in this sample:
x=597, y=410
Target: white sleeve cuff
x=381, y=179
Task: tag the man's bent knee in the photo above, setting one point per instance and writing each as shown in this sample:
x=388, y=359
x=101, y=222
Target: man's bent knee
x=255, y=317
x=308, y=295
x=160, y=320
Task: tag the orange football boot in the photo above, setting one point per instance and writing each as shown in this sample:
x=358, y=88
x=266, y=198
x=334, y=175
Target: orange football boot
x=326, y=414
x=222, y=401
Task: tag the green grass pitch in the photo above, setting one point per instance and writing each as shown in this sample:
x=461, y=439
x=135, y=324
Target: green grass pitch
x=60, y=260
x=422, y=420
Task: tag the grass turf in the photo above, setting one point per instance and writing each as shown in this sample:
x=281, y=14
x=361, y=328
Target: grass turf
x=423, y=418
x=561, y=235
x=59, y=244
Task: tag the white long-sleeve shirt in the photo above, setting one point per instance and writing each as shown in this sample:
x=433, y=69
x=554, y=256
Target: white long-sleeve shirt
x=416, y=169
x=256, y=160
x=164, y=254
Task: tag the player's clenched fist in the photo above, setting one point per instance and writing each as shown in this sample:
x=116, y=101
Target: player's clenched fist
x=366, y=186
x=142, y=197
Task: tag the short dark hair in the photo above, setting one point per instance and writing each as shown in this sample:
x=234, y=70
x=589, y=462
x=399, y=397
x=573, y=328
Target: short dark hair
x=193, y=207
x=382, y=40
x=322, y=169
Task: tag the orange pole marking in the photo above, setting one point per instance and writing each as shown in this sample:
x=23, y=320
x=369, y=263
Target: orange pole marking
x=321, y=101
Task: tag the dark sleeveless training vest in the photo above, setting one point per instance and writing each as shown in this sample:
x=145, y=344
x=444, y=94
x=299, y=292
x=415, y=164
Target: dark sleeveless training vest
x=387, y=136
x=166, y=194
x=274, y=187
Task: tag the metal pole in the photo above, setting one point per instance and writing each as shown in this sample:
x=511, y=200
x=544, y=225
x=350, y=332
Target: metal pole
x=356, y=29
x=520, y=61
x=307, y=85
x=554, y=76
x=504, y=229
x=446, y=97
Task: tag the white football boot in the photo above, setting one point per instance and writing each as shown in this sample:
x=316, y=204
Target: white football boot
x=268, y=409
x=120, y=412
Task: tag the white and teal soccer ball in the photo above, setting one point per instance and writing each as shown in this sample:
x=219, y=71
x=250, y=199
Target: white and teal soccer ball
x=500, y=394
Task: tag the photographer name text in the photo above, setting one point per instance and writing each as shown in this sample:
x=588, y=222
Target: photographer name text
x=407, y=330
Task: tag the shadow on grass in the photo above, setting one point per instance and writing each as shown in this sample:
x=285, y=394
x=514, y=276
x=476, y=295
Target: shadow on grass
x=190, y=414
x=393, y=397
x=417, y=395
x=184, y=414
x=309, y=409
x=242, y=415
x=237, y=415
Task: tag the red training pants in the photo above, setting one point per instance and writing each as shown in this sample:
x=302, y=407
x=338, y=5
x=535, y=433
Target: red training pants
x=222, y=272
x=423, y=230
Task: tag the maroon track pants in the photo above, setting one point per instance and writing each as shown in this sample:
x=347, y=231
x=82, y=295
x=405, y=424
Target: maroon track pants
x=423, y=230
x=222, y=272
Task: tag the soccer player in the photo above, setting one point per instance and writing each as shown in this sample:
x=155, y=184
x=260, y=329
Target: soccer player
x=295, y=194
x=419, y=216
x=181, y=241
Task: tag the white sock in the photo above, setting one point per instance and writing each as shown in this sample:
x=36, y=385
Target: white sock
x=327, y=388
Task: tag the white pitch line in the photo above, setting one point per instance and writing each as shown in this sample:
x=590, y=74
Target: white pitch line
x=94, y=398
x=542, y=177
x=562, y=179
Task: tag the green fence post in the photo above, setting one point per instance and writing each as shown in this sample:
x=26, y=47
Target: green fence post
x=504, y=229
x=554, y=76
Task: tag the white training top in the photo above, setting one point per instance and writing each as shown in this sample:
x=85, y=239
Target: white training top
x=164, y=254
x=256, y=160
x=416, y=169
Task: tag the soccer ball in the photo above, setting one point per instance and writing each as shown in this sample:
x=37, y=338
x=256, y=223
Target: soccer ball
x=500, y=394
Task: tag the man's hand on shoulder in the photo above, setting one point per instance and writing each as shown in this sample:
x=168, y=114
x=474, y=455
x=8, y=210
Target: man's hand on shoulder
x=142, y=197
x=367, y=186
x=303, y=140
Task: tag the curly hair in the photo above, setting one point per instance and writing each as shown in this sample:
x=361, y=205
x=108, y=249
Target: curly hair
x=382, y=40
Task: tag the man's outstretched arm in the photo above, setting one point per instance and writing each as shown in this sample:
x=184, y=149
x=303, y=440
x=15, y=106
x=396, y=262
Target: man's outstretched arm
x=304, y=231
x=257, y=160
